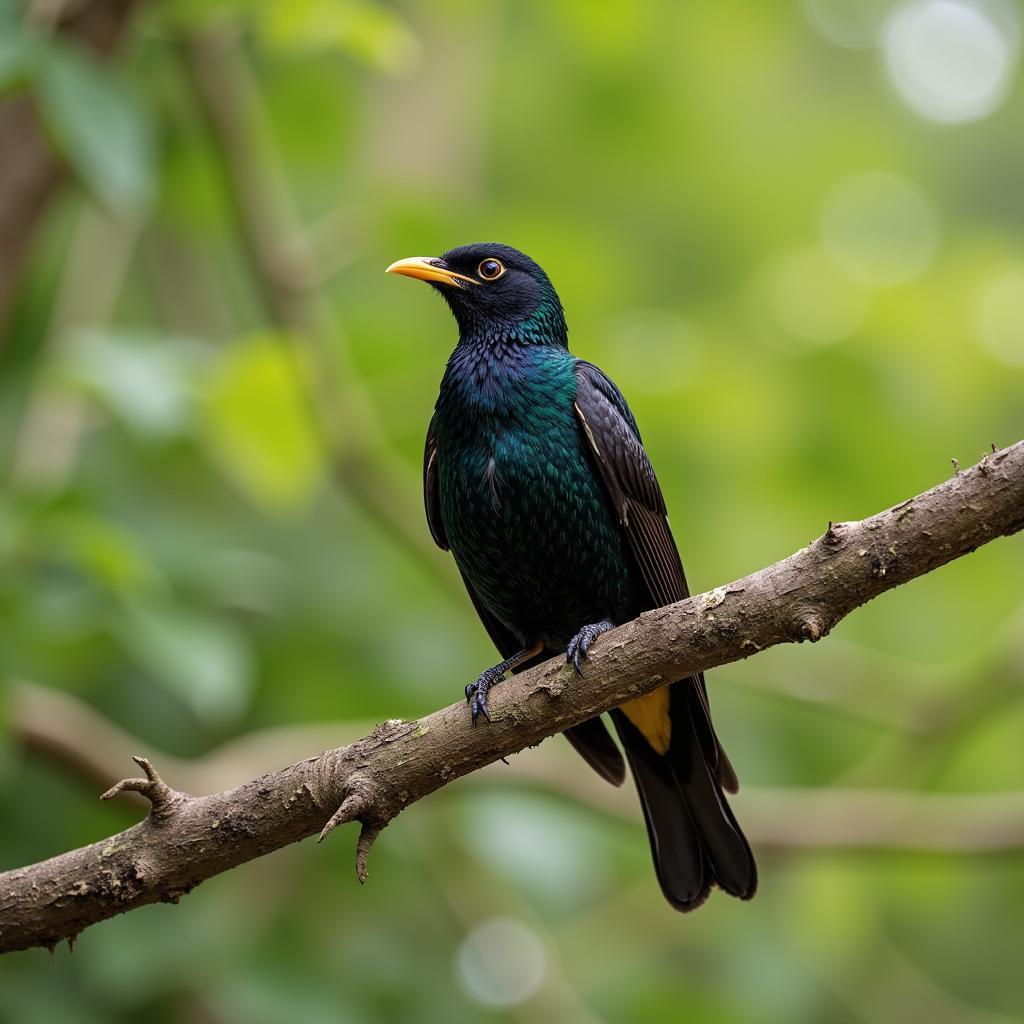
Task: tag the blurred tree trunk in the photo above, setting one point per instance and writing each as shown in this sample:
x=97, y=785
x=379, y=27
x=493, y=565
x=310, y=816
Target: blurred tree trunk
x=30, y=170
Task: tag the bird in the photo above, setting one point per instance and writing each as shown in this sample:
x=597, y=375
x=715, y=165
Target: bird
x=536, y=479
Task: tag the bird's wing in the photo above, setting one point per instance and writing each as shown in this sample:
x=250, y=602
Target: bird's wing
x=613, y=439
x=591, y=739
x=431, y=494
x=678, y=764
x=614, y=442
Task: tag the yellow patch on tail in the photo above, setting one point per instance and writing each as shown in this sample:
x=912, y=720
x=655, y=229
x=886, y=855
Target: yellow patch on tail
x=650, y=715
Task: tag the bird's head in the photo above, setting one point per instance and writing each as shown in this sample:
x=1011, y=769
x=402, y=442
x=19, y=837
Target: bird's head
x=495, y=292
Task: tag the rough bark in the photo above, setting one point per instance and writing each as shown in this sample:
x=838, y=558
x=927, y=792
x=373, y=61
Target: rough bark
x=30, y=170
x=58, y=726
x=187, y=839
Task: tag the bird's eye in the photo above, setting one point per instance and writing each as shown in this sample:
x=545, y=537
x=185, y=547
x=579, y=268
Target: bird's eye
x=490, y=270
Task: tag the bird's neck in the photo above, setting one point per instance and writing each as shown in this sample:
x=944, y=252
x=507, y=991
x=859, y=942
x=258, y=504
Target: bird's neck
x=502, y=379
x=544, y=327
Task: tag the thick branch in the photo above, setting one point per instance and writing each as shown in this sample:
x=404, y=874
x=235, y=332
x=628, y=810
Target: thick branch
x=64, y=729
x=189, y=839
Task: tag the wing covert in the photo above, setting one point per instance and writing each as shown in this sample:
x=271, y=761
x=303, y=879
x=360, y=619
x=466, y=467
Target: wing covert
x=618, y=453
x=431, y=494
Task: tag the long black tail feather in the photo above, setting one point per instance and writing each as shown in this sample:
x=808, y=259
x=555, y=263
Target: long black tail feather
x=695, y=839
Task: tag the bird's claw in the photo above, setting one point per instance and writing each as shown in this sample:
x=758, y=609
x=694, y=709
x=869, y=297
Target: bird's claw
x=476, y=696
x=579, y=645
x=572, y=653
x=478, y=706
x=476, y=693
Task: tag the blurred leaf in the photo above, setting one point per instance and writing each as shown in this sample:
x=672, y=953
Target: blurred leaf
x=18, y=48
x=143, y=378
x=193, y=14
x=832, y=914
x=203, y=660
x=368, y=31
x=10, y=529
x=106, y=553
x=5, y=726
x=99, y=124
x=258, y=427
x=248, y=580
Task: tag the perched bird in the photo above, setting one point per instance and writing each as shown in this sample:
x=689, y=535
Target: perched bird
x=535, y=477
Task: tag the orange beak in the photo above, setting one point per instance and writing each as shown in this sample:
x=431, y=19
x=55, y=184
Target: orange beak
x=429, y=268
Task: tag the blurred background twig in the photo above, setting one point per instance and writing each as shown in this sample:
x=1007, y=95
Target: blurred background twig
x=30, y=171
x=284, y=267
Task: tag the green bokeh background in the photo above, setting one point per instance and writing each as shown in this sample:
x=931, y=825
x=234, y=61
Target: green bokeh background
x=805, y=289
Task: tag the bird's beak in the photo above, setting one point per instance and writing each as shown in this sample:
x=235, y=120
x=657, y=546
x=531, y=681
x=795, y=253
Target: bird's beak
x=429, y=268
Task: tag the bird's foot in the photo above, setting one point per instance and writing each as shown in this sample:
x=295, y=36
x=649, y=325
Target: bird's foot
x=579, y=645
x=476, y=693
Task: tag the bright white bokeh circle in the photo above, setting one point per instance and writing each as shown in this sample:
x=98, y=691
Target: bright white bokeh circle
x=501, y=962
x=951, y=60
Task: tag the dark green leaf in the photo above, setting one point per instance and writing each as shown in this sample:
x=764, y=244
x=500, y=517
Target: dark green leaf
x=100, y=125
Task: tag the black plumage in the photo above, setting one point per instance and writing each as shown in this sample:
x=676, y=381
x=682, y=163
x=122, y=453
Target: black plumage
x=536, y=478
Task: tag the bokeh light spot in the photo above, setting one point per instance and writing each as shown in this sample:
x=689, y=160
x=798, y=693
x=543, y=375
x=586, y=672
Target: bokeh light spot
x=951, y=60
x=853, y=24
x=997, y=316
x=880, y=228
x=666, y=348
x=811, y=299
x=501, y=962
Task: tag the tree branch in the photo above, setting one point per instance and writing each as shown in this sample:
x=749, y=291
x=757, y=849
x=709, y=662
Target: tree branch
x=66, y=730
x=187, y=839
x=61, y=727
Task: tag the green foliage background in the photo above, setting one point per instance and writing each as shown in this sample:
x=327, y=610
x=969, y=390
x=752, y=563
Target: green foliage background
x=177, y=552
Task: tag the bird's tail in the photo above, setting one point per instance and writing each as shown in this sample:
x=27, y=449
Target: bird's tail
x=695, y=839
